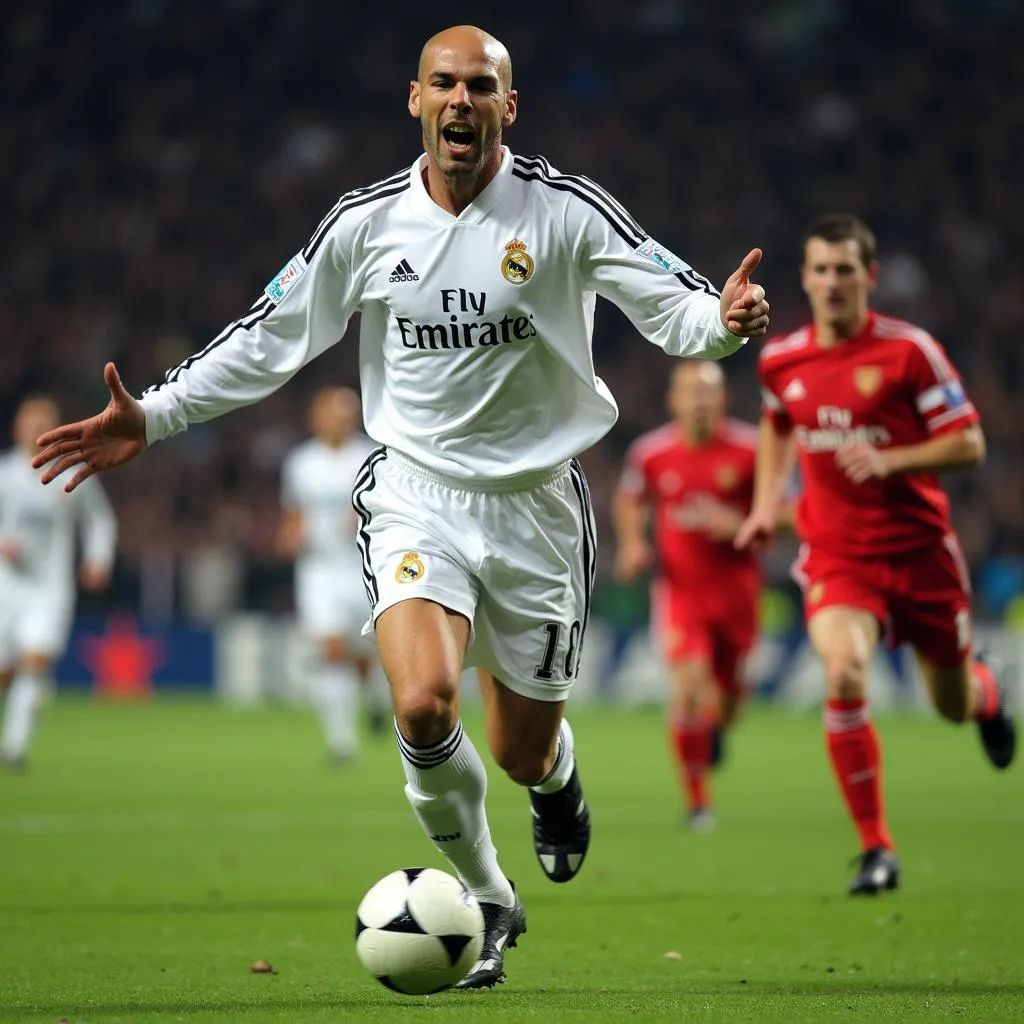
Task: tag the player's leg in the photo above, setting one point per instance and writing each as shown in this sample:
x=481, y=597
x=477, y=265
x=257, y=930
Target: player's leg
x=375, y=697
x=533, y=743
x=374, y=689
x=732, y=640
x=934, y=613
x=693, y=710
x=422, y=647
x=691, y=718
x=21, y=708
x=333, y=683
x=845, y=638
x=412, y=530
x=971, y=692
x=334, y=691
x=537, y=580
x=37, y=632
x=7, y=674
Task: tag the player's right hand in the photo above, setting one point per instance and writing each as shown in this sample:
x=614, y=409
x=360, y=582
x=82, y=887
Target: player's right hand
x=101, y=442
x=632, y=560
x=757, y=531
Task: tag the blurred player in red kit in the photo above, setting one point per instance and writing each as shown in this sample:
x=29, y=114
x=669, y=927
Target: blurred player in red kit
x=875, y=410
x=696, y=475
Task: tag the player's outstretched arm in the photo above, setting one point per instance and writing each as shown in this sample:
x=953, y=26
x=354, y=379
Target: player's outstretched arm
x=108, y=439
x=743, y=305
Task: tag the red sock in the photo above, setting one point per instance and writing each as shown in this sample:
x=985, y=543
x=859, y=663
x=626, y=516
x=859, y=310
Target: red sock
x=986, y=693
x=692, y=737
x=857, y=760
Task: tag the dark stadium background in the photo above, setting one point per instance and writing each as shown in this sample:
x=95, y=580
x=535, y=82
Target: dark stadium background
x=162, y=160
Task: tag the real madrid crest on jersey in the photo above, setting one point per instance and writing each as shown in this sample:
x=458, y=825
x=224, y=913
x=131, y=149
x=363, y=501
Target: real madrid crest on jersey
x=410, y=569
x=517, y=264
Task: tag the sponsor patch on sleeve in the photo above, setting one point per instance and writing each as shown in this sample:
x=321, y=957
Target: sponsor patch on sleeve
x=953, y=394
x=665, y=258
x=286, y=278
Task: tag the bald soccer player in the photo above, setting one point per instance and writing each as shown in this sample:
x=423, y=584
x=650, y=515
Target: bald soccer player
x=475, y=273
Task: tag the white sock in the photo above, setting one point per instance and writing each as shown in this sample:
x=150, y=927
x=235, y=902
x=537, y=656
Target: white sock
x=335, y=695
x=23, y=700
x=565, y=762
x=446, y=786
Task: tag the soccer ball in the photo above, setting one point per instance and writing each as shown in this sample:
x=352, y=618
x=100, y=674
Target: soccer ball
x=419, y=930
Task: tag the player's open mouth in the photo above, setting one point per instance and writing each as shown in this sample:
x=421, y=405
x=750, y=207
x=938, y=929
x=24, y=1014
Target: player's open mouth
x=459, y=137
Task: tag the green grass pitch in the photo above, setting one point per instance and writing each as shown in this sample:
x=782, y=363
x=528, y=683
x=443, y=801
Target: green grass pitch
x=153, y=853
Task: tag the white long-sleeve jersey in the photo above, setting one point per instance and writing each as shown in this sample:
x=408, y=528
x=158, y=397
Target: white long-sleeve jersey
x=475, y=337
x=41, y=523
x=317, y=482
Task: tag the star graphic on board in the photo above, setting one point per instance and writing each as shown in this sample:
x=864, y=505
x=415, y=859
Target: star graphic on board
x=121, y=659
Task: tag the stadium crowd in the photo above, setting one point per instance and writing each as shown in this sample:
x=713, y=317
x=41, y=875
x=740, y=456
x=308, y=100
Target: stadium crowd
x=165, y=160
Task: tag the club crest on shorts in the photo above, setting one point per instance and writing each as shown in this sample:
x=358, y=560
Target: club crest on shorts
x=867, y=379
x=410, y=569
x=517, y=264
x=816, y=593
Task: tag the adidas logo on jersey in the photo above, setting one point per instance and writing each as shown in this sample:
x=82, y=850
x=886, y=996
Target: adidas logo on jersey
x=403, y=272
x=795, y=390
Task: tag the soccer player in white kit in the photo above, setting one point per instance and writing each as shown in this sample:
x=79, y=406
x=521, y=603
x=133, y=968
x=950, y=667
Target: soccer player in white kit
x=476, y=274
x=38, y=530
x=318, y=531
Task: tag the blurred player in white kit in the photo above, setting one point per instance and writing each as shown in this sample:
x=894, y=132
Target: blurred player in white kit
x=318, y=530
x=37, y=571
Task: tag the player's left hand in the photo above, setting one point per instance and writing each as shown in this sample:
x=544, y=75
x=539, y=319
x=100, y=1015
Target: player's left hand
x=743, y=306
x=862, y=462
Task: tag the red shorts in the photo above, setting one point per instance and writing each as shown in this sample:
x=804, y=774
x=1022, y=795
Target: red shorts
x=695, y=625
x=922, y=598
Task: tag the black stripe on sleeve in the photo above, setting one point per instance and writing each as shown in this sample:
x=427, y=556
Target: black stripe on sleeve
x=538, y=169
x=263, y=306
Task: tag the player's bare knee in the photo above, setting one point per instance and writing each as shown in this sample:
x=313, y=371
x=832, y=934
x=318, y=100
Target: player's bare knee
x=692, y=685
x=525, y=767
x=690, y=702
x=846, y=676
x=426, y=713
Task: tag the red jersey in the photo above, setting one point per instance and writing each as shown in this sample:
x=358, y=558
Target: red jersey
x=892, y=385
x=680, y=480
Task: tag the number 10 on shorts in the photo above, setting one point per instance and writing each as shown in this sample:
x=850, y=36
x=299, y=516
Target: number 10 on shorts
x=552, y=644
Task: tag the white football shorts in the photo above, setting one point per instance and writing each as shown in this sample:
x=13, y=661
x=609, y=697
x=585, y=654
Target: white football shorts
x=35, y=618
x=517, y=558
x=330, y=598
